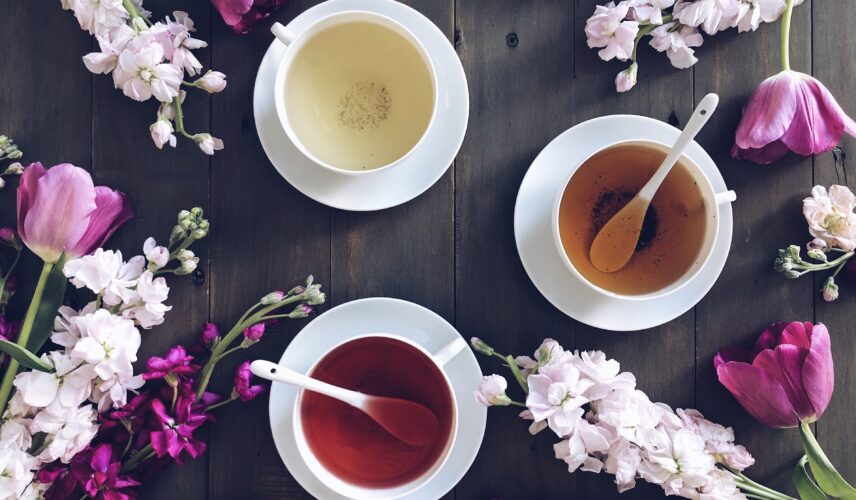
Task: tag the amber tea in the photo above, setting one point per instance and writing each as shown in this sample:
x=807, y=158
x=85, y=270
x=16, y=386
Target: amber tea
x=675, y=226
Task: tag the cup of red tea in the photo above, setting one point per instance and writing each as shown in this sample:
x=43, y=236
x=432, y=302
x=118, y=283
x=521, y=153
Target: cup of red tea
x=347, y=450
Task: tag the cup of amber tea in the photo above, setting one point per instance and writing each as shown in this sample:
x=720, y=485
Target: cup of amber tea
x=677, y=236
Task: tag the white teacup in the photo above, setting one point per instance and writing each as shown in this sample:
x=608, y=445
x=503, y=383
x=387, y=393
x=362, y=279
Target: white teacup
x=349, y=490
x=712, y=201
x=356, y=91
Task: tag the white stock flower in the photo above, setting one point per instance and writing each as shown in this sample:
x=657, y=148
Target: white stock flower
x=577, y=449
x=556, y=395
x=608, y=30
x=105, y=272
x=629, y=414
x=626, y=79
x=74, y=378
x=208, y=144
x=162, y=133
x=830, y=216
x=604, y=373
x=113, y=392
x=37, y=389
x=720, y=485
x=65, y=332
x=212, y=81
x=111, y=44
x=549, y=352
x=182, y=43
x=18, y=408
x=534, y=427
x=15, y=473
x=649, y=10
x=158, y=256
x=711, y=15
x=69, y=430
x=142, y=72
x=623, y=461
x=754, y=12
x=677, y=44
x=682, y=463
x=108, y=342
x=491, y=391
x=99, y=16
x=719, y=440
x=15, y=434
x=146, y=306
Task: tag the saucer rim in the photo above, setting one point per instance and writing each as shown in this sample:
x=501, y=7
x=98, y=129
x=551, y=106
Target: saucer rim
x=609, y=316
x=424, y=153
x=472, y=419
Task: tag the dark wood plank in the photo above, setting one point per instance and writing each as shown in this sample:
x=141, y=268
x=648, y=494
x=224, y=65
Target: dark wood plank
x=160, y=183
x=521, y=95
x=749, y=295
x=267, y=235
x=832, y=52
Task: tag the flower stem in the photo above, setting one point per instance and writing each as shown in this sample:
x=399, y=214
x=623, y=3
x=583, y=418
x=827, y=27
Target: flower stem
x=784, y=43
x=218, y=405
x=756, y=489
x=24, y=336
x=179, y=118
x=144, y=454
x=517, y=375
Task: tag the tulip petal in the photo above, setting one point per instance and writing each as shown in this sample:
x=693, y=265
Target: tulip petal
x=112, y=210
x=26, y=191
x=770, y=153
x=795, y=333
x=759, y=393
x=818, y=373
x=769, y=112
x=59, y=210
x=818, y=123
x=731, y=354
x=785, y=363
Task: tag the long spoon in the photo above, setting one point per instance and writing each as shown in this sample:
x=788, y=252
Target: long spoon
x=408, y=421
x=614, y=244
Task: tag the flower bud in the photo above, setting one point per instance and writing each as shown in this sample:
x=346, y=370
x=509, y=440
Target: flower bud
x=791, y=274
x=212, y=81
x=272, y=298
x=200, y=233
x=9, y=237
x=196, y=212
x=208, y=144
x=210, y=334
x=185, y=255
x=816, y=243
x=14, y=169
x=793, y=252
x=301, y=311
x=187, y=266
x=184, y=214
x=817, y=254
x=481, y=347
x=255, y=332
x=830, y=290
x=297, y=290
x=313, y=295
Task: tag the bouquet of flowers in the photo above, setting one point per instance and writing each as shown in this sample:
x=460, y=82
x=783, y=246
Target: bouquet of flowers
x=832, y=223
x=605, y=424
x=81, y=422
x=149, y=59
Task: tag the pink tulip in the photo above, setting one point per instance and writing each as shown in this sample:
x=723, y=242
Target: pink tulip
x=790, y=111
x=786, y=379
x=60, y=210
x=242, y=15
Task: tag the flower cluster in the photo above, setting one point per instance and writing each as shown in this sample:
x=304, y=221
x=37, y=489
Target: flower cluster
x=9, y=151
x=149, y=60
x=605, y=423
x=832, y=222
x=242, y=15
x=674, y=27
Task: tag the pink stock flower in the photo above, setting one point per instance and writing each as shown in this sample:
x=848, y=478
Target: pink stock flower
x=609, y=30
x=243, y=380
x=242, y=15
x=786, y=379
x=210, y=334
x=255, y=332
x=790, y=111
x=61, y=210
x=173, y=434
x=173, y=366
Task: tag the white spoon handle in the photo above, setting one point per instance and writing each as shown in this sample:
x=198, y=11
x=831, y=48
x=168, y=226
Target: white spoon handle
x=277, y=373
x=699, y=118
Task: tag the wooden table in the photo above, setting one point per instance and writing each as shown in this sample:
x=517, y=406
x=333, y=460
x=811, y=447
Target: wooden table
x=452, y=250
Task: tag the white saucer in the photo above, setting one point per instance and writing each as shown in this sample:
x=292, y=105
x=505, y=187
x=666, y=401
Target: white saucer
x=533, y=227
x=388, y=187
x=397, y=317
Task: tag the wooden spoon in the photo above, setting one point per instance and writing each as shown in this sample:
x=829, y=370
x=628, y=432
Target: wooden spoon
x=410, y=422
x=614, y=244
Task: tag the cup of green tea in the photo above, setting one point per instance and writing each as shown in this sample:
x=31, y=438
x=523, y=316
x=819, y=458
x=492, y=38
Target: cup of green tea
x=355, y=91
x=680, y=229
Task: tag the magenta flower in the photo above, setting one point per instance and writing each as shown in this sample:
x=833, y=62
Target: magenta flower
x=255, y=332
x=9, y=329
x=210, y=334
x=242, y=15
x=95, y=471
x=9, y=237
x=173, y=434
x=116, y=424
x=243, y=380
x=61, y=210
x=786, y=379
x=790, y=111
x=173, y=366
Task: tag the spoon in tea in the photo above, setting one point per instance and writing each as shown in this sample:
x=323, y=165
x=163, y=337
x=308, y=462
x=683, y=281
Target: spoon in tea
x=408, y=421
x=615, y=243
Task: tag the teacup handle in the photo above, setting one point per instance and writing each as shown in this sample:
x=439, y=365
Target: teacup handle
x=726, y=197
x=448, y=352
x=282, y=34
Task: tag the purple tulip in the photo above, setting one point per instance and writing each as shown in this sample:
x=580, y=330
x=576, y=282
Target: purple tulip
x=243, y=379
x=61, y=210
x=786, y=379
x=790, y=111
x=242, y=15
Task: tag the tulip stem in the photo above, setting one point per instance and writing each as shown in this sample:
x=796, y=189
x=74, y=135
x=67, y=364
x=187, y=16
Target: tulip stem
x=24, y=336
x=784, y=43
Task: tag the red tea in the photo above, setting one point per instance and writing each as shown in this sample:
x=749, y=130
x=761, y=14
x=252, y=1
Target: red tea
x=349, y=443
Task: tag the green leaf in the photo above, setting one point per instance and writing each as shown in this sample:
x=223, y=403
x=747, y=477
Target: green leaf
x=24, y=357
x=806, y=487
x=829, y=480
x=51, y=301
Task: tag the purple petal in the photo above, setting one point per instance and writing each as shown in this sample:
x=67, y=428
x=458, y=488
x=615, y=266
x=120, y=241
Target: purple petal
x=59, y=211
x=796, y=333
x=818, y=373
x=759, y=393
x=768, y=113
x=100, y=461
x=770, y=153
x=785, y=363
x=112, y=210
x=160, y=442
x=26, y=192
x=242, y=15
x=818, y=122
